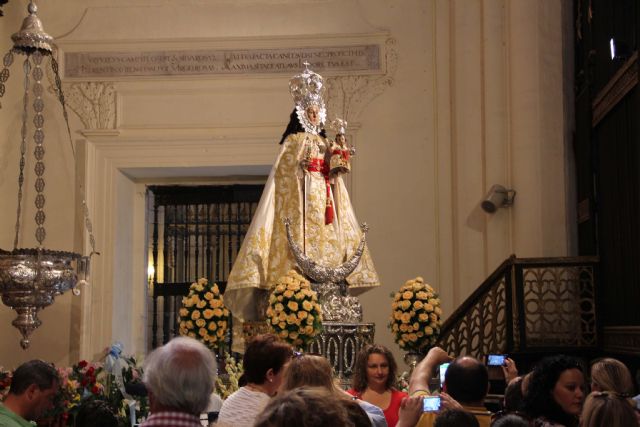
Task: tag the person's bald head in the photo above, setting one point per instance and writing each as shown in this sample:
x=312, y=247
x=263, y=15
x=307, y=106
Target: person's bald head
x=467, y=380
x=468, y=362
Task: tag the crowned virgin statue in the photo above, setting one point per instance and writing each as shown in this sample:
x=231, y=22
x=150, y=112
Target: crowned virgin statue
x=300, y=187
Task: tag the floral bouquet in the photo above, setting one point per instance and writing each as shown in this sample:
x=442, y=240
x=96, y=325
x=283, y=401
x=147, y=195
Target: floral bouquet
x=294, y=313
x=5, y=383
x=415, y=315
x=77, y=383
x=203, y=315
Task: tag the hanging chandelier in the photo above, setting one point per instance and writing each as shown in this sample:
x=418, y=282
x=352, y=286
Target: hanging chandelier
x=31, y=278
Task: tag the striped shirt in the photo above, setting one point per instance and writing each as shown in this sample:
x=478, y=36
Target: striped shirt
x=172, y=419
x=242, y=408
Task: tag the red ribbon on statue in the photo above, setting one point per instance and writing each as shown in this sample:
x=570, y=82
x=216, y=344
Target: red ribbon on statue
x=319, y=165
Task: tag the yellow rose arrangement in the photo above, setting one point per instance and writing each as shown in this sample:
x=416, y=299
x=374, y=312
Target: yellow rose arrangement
x=416, y=316
x=203, y=315
x=294, y=313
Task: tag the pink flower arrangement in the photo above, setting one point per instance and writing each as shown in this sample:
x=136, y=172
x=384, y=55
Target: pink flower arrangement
x=5, y=382
x=77, y=382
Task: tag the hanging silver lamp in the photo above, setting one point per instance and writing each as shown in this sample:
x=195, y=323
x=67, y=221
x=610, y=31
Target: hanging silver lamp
x=31, y=278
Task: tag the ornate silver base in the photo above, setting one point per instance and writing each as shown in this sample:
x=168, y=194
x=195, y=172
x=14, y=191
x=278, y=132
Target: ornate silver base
x=340, y=342
x=337, y=305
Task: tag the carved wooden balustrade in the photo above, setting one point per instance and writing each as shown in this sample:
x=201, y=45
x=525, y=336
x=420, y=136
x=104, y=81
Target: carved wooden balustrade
x=528, y=305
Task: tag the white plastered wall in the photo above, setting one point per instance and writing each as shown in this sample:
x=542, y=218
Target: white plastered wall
x=476, y=100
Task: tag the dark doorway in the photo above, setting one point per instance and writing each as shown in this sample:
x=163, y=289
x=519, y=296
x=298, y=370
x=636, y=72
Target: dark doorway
x=196, y=232
x=607, y=151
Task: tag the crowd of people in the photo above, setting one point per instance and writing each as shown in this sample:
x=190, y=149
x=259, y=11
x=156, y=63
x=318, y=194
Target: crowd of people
x=282, y=387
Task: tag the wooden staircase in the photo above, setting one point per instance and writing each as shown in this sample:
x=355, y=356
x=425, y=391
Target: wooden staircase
x=529, y=306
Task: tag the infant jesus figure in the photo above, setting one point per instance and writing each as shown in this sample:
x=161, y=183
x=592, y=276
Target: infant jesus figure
x=340, y=154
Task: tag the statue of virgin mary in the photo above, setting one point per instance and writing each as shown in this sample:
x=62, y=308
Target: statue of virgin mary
x=299, y=187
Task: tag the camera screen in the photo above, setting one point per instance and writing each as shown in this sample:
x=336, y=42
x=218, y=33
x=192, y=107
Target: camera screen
x=495, y=359
x=431, y=403
x=443, y=370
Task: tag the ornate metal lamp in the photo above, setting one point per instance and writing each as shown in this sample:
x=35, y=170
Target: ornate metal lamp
x=31, y=278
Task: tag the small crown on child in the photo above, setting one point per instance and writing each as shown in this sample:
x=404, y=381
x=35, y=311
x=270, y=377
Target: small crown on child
x=339, y=125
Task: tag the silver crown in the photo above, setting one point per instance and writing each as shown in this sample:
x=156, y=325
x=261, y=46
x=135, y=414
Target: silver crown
x=339, y=126
x=307, y=90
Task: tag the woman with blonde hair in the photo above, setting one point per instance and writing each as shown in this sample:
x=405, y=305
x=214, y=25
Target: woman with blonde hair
x=611, y=375
x=608, y=409
x=308, y=370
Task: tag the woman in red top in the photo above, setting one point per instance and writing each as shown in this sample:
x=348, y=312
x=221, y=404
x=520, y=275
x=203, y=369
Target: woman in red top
x=374, y=381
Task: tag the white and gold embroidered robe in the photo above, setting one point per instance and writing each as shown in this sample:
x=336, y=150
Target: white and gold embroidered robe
x=301, y=196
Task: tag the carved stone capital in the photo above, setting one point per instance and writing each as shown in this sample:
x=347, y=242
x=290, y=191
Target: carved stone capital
x=349, y=95
x=93, y=102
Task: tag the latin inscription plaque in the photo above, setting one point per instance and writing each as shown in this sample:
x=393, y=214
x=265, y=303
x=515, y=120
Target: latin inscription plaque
x=355, y=59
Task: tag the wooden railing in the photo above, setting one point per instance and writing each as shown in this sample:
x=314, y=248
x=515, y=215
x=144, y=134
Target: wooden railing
x=528, y=305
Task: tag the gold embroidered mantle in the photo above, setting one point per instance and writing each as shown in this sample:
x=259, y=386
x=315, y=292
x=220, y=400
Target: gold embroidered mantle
x=302, y=196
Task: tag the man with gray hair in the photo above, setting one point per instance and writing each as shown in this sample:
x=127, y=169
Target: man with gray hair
x=179, y=378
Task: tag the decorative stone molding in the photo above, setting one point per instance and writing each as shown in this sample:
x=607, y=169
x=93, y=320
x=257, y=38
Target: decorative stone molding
x=348, y=95
x=93, y=102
